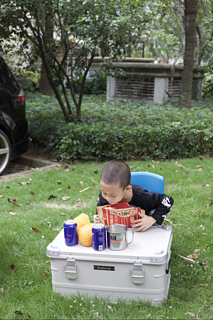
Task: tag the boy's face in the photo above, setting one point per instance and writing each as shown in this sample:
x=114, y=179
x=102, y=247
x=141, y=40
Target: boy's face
x=113, y=193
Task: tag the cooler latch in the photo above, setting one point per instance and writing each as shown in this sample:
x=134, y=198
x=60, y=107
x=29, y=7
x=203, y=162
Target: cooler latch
x=138, y=273
x=71, y=269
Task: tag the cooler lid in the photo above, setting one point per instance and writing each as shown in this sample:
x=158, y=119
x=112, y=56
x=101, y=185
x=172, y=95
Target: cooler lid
x=152, y=246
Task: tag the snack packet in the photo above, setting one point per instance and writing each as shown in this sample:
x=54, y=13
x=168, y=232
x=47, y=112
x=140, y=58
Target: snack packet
x=119, y=213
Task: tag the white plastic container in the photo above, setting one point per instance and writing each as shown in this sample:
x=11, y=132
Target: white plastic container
x=141, y=271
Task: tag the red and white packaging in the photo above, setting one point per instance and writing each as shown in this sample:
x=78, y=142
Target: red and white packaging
x=119, y=213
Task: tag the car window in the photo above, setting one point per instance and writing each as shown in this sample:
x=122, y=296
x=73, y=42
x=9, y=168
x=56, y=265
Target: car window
x=8, y=83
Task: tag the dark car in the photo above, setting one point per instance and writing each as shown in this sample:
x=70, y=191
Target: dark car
x=14, y=136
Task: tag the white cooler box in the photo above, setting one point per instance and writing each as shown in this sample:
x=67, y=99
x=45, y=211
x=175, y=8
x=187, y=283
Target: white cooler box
x=141, y=271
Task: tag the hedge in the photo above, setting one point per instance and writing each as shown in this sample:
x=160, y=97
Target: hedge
x=122, y=130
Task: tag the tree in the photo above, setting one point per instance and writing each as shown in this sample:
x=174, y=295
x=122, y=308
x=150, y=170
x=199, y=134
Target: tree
x=190, y=31
x=89, y=24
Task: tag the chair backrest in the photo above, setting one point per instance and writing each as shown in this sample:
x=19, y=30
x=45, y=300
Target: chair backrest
x=149, y=181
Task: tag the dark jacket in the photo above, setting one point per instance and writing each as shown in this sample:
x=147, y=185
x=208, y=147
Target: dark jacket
x=156, y=205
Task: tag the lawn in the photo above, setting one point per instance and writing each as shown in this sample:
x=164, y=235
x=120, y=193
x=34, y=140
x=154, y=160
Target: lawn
x=28, y=202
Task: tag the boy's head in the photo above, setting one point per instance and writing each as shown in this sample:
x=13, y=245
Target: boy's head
x=115, y=180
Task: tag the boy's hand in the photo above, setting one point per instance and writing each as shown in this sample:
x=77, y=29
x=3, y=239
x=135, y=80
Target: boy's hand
x=96, y=219
x=144, y=223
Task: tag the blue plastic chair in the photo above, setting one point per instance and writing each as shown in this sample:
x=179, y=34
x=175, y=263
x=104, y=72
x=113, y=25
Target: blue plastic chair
x=149, y=181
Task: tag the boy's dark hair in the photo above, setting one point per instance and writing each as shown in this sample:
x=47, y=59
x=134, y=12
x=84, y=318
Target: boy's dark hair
x=116, y=171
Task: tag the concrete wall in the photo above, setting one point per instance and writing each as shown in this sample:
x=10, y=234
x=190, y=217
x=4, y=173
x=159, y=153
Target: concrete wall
x=161, y=75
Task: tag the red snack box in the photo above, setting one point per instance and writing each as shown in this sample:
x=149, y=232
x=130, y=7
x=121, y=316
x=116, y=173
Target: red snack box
x=119, y=213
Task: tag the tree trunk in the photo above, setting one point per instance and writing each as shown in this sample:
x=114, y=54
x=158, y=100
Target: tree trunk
x=190, y=29
x=45, y=86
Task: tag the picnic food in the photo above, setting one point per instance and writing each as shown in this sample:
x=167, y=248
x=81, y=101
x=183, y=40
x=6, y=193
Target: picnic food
x=81, y=220
x=85, y=235
x=119, y=213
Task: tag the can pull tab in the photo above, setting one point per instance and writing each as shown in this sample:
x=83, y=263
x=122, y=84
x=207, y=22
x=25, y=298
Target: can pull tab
x=138, y=273
x=71, y=269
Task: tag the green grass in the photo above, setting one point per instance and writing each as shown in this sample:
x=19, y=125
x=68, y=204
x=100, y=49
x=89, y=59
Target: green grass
x=28, y=291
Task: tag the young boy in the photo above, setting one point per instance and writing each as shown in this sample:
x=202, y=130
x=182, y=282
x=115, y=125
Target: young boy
x=116, y=187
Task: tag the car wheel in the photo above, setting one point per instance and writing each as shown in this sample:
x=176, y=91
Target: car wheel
x=5, y=151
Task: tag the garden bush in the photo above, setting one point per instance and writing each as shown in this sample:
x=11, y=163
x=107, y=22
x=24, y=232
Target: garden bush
x=122, y=130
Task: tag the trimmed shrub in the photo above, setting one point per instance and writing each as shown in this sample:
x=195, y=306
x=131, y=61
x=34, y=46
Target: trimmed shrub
x=122, y=130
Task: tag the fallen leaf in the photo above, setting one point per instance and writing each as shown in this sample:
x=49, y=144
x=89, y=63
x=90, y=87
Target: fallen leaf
x=199, y=166
x=29, y=179
x=57, y=229
x=1, y=195
x=36, y=230
x=69, y=188
x=192, y=256
x=24, y=183
x=206, y=185
x=46, y=181
x=29, y=204
x=13, y=202
x=65, y=198
x=190, y=314
x=96, y=171
x=32, y=193
x=72, y=169
x=62, y=214
x=51, y=197
x=110, y=308
x=20, y=313
x=66, y=167
x=81, y=183
x=203, y=285
x=178, y=164
x=78, y=205
x=205, y=265
x=209, y=204
x=1, y=290
x=46, y=272
x=13, y=268
x=8, y=187
x=12, y=213
x=197, y=250
x=59, y=182
x=167, y=220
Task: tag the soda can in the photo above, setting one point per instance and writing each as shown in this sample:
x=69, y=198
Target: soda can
x=99, y=237
x=70, y=233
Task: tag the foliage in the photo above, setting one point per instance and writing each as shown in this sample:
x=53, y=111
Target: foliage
x=25, y=272
x=122, y=130
x=96, y=84
x=28, y=80
x=166, y=32
x=80, y=29
x=208, y=81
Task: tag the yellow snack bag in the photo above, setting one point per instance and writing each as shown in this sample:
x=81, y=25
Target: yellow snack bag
x=81, y=220
x=85, y=235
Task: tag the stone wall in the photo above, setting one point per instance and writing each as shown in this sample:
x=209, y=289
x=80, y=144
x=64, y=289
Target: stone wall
x=150, y=82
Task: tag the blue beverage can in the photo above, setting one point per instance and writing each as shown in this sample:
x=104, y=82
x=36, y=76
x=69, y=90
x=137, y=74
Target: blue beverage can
x=70, y=233
x=99, y=237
